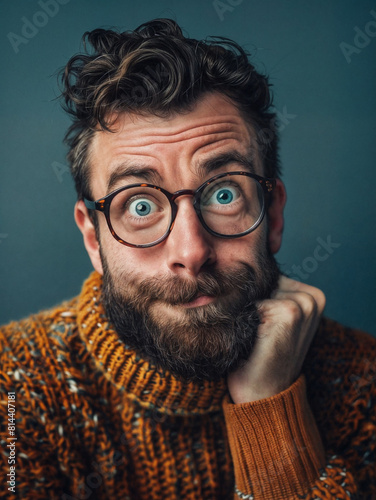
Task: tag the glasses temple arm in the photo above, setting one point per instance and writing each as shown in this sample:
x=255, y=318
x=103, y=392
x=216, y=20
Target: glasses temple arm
x=91, y=205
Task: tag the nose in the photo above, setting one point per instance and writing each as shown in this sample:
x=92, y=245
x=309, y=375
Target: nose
x=189, y=246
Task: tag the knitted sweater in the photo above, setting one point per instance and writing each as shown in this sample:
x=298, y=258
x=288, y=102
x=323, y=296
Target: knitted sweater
x=93, y=420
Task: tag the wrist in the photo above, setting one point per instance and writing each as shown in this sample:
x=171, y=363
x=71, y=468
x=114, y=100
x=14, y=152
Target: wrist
x=274, y=438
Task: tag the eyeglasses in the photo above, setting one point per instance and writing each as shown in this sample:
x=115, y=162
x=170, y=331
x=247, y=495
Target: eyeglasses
x=228, y=205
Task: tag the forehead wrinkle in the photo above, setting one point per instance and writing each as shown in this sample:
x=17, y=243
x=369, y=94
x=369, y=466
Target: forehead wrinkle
x=199, y=131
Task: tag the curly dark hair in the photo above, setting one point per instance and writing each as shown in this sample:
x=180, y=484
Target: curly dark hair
x=156, y=70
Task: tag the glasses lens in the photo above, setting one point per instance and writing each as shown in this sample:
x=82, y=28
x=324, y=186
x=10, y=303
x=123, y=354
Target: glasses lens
x=140, y=215
x=232, y=205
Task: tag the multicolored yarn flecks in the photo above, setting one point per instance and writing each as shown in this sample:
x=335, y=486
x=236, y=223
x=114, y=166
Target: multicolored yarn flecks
x=96, y=421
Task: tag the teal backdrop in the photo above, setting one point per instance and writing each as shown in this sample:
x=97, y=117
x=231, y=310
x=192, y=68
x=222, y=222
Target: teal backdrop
x=321, y=57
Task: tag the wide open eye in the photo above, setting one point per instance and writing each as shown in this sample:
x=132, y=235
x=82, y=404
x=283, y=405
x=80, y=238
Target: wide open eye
x=141, y=207
x=231, y=204
x=224, y=194
x=140, y=214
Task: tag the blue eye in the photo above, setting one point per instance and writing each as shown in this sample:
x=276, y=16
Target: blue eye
x=141, y=207
x=224, y=196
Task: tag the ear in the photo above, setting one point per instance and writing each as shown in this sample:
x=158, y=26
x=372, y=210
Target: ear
x=275, y=216
x=86, y=226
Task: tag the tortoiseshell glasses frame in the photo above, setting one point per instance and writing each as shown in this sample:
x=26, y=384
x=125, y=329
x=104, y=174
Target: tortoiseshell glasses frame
x=104, y=204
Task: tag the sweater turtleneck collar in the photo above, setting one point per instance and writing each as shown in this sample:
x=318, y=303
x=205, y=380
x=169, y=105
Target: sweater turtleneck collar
x=125, y=368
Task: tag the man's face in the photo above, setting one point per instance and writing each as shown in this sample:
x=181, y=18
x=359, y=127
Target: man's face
x=188, y=303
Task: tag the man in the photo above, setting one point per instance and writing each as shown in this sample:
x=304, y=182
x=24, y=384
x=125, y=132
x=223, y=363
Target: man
x=188, y=367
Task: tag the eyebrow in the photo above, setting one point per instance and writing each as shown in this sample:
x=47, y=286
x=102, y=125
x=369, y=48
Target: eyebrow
x=146, y=173
x=210, y=165
x=126, y=169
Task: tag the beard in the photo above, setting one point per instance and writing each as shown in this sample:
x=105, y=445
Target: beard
x=200, y=343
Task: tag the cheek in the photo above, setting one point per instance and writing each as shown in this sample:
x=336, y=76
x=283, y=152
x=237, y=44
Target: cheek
x=116, y=255
x=127, y=263
x=245, y=249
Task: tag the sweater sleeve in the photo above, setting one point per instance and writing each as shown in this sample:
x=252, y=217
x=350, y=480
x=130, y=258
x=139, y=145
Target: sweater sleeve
x=278, y=453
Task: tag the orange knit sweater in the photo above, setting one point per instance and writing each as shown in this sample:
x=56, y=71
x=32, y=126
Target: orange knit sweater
x=95, y=421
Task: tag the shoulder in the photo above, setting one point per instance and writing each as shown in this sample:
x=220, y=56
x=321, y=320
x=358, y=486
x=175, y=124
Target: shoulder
x=44, y=382
x=339, y=355
x=341, y=382
x=336, y=332
x=35, y=350
x=34, y=336
x=44, y=365
x=338, y=348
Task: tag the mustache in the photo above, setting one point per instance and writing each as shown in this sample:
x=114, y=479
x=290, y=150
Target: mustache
x=175, y=290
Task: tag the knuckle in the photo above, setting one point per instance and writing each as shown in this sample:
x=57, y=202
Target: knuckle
x=292, y=308
x=318, y=295
x=309, y=302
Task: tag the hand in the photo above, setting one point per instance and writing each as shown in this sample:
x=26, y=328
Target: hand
x=289, y=321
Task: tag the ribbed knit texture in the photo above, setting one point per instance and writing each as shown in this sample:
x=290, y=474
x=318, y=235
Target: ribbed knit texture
x=284, y=423
x=96, y=421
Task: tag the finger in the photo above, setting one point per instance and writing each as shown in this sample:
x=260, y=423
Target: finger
x=288, y=285
x=280, y=311
x=298, y=321
x=309, y=304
